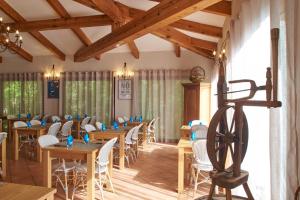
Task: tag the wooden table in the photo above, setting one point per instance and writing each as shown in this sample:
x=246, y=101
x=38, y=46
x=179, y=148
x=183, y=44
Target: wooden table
x=79, y=151
x=109, y=134
x=10, y=125
x=35, y=131
x=3, y=161
x=76, y=126
x=185, y=131
x=184, y=147
x=12, y=191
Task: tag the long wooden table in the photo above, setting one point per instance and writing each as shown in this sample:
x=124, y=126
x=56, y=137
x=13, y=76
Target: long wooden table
x=3, y=157
x=78, y=151
x=12, y=191
x=10, y=124
x=184, y=147
x=35, y=131
x=112, y=133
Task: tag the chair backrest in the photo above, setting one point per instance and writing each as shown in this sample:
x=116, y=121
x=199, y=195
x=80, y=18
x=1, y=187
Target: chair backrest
x=128, y=138
x=37, y=117
x=23, y=115
x=46, y=117
x=151, y=122
x=93, y=120
x=3, y=135
x=54, y=128
x=200, y=131
x=135, y=134
x=89, y=128
x=55, y=118
x=68, y=117
x=47, y=140
x=11, y=116
x=19, y=124
x=35, y=122
x=126, y=119
x=200, y=153
x=99, y=125
x=121, y=120
x=85, y=121
x=103, y=156
x=197, y=122
x=67, y=128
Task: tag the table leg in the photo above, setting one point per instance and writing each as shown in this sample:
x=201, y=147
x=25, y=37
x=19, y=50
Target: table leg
x=16, y=145
x=180, y=170
x=91, y=176
x=39, y=150
x=78, y=130
x=47, y=169
x=121, y=152
x=4, y=159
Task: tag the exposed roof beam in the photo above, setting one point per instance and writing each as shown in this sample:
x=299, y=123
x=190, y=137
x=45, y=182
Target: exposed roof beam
x=7, y=9
x=221, y=8
x=177, y=50
x=62, y=12
x=62, y=23
x=198, y=46
x=167, y=12
x=134, y=50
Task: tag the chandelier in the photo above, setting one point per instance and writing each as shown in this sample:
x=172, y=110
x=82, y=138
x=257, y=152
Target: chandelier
x=125, y=73
x=6, y=41
x=53, y=75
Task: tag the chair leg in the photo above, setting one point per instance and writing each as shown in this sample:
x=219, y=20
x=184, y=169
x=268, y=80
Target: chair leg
x=211, y=191
x=248, y=192
x=110, y=182
x=101, y=187
x=66, y=186
x=196, y=181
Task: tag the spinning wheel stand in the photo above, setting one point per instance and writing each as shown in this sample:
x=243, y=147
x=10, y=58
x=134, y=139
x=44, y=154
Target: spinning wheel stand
x=227, y=136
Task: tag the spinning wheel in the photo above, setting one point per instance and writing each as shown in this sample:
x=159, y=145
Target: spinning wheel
x=222, y=135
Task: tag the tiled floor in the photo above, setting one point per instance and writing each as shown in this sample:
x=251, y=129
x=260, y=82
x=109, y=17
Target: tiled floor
x=153, y=176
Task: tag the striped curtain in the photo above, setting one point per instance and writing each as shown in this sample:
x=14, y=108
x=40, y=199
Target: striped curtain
x=21, y=93
x=87, y=93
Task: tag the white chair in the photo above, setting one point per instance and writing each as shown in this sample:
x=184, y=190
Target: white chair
x=24, y=139
x=46, y=117
x=55, y=118
x=23, y=115
x=126, y=119
x=200, y=131
x=99, y=125
x=3, y=135
x=93, y=120
x=84, y=122
x=135, y=139
x=60, y=168
x=121, y=120
x=201, y=164
x=37, y=117
x=102, y=161
x=128, y=146
x=197, y=122
x=54, y=129
x=89, y=128
x=66, y=130
x=35, y=122
x=68, y=117
x=151, y=130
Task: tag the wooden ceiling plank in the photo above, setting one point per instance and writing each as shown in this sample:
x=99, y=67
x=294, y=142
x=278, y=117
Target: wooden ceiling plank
x=165, y=13
x=62, y=12
x=7, y=9
x=221, y=8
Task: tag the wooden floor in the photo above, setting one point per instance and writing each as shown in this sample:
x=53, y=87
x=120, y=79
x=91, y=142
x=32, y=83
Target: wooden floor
x=153, y=176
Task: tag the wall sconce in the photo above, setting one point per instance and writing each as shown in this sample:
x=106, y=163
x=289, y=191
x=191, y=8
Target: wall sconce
x=52, y=75
x=124, y=73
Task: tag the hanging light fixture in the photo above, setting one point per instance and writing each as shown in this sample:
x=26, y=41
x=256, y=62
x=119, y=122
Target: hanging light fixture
x=6, y=41
x=125, y=73
x=52, y=75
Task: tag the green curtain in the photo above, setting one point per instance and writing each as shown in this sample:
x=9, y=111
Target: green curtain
x=21, y=93
x=160, y=94
x=88, y=93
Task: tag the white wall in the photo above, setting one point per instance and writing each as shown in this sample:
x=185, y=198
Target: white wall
x=148, y=60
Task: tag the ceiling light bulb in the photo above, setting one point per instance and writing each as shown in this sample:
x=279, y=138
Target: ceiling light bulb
x=21, y=38
x=220, y=55
x=1, y=19
x=8, y=28
x=17, y=32
x=223, y=51
x=6, y=40
x=214, y=52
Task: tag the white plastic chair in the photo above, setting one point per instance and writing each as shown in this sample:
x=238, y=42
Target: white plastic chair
x=61, y=167
x=84, y=122
x=121, y=120
x=55, y=118
x=54, y=128
x=126, y=119
x=99, y=125
x=93, y=120
x=35, y=122
x=89, y=128
x=66, y=130
x=102, y=162
x=151, y=130
x=201, y=163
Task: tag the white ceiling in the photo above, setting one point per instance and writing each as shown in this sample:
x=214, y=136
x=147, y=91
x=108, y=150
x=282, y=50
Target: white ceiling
x=69, y=43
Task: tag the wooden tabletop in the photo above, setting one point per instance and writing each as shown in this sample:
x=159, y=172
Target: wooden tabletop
x=12, y=191
x=34, y=127
x=78, y=147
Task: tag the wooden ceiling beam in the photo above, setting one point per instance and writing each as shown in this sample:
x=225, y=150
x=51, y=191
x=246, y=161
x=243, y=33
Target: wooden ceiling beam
x=61, y=23
x=165, y=13
x=221, y=8
x=7, y=9
x=62, y=12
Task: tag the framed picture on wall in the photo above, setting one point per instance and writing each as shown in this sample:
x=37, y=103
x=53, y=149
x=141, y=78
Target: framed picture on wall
x=53, y=89
x=125, y=88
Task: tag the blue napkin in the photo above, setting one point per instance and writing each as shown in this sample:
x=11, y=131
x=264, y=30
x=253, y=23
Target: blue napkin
x=115, y=125
x=131, y=119
x=193, y=136
x=28, y=116
x=69, y=118
x=70, y=141
x=103, y=127
x=190, y=123
x=141, y=119
x=86, y=138
x=78, y=117
x=29, y=125
x=43, y=123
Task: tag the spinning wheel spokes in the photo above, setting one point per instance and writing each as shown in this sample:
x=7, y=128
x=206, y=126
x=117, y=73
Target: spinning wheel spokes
x=221, y=138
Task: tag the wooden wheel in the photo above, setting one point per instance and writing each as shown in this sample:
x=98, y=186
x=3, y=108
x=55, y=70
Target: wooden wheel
x=221, y=137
